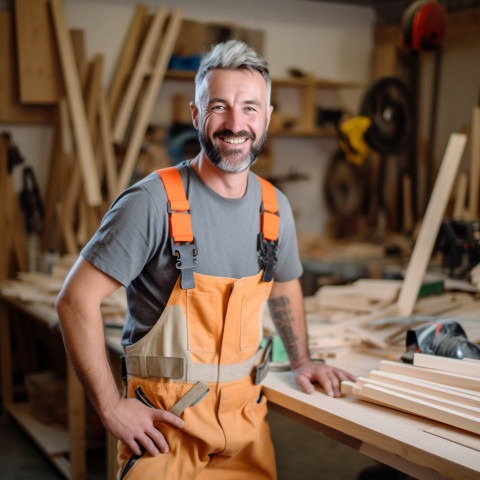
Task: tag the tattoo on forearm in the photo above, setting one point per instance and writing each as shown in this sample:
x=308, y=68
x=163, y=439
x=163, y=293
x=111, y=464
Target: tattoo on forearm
x=282, y=318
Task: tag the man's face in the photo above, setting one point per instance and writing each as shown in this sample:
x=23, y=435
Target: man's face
x=232, y=118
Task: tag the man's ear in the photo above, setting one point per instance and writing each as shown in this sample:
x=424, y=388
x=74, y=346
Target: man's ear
x=194, y=111
x=269, y=114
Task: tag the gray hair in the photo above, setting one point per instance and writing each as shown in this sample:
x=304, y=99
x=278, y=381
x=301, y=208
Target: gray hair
x=232, y=55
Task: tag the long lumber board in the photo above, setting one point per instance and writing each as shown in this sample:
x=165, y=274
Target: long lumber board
x=11, y=110
x=81, y=132
x=474, y=164
x=143, y=67
x=447, y=364
x=431, y=223
x=127, y=59
x=434, y=399
x=465, y=396
x=446, y=378
x=425, y=409
x=148, y=100
x=40, y=78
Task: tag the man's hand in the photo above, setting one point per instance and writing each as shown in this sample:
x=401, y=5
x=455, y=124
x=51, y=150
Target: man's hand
x=133, y=423
x=328, y=377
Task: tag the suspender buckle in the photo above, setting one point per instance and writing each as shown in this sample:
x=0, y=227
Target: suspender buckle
x=267, y=251
x=186, y=256
x=262, y=369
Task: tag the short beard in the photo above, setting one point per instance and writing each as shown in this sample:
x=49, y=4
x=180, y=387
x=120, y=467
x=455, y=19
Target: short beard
x=225, y=163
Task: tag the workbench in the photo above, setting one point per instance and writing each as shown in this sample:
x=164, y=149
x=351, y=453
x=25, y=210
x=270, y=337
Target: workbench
x=414, y=445
x=422, y=448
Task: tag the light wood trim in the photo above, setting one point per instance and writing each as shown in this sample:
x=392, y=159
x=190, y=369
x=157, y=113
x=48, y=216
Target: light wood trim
x=426, y=409
x=447, y=378
x=468, y=397
x=127, y=59
x=148, y=100
x=81, y=133
x=474, y=164
x=141, y=69
x=436, y=398
x=454, y=365
x=431, y=223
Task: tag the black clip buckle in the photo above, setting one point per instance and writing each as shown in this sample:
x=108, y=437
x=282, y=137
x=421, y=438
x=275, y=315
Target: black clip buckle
x=262, y=369
x=267, y=250
x=186, y=255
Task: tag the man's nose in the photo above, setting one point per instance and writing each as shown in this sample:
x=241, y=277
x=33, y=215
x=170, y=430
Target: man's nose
x=234, y=120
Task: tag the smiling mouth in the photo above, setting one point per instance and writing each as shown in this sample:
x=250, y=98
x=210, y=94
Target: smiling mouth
x=234, y=141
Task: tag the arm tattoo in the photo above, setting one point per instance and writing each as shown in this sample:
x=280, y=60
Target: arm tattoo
x=282, y=318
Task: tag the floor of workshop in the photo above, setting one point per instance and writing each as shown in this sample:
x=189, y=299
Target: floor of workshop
x=302, y=454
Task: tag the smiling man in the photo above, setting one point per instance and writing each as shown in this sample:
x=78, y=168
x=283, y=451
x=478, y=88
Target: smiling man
x=201, y=249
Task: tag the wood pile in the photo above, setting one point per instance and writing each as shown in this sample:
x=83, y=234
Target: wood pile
x=41, y=290
x=443, y=389
x=98, y=132
x=362, y=317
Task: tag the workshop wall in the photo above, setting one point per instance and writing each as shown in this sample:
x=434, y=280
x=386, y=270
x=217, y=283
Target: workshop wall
x=328, y=40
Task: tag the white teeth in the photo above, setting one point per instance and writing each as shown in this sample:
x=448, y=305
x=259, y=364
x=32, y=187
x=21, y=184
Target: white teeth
x=234, y=140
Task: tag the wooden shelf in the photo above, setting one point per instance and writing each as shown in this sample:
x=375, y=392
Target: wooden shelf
x=52, y=439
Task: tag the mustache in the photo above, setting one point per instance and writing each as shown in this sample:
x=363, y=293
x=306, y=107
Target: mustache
x=229, y=133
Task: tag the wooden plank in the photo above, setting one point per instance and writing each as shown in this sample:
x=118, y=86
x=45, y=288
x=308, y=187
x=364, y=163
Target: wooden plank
x=40, y=78
x=447, y=378
x=11, y=110
x=425, y=409
x=82, y=137
x=465, y=396
x=148, y=100
x=434, y=399
x=460, y=203
x=143, y=67
x=431, y=223
x=446, y=364
x=127, y=58
x=474, y=164
x=107, y=148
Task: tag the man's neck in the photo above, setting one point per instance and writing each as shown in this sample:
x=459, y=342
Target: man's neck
x=228, y=185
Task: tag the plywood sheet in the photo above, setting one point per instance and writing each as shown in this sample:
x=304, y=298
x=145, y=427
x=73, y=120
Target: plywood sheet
x=40, y=79
x=11, y=110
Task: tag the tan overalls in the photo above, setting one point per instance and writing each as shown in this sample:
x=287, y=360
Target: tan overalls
x=209, y=332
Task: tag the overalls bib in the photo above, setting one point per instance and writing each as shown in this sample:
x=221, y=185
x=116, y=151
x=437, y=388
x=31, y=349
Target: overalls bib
x=209, y=332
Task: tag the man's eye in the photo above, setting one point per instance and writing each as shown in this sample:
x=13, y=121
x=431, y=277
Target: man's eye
x=218, y=107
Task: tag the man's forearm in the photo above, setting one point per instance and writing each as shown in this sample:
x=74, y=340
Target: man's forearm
x=286, y=310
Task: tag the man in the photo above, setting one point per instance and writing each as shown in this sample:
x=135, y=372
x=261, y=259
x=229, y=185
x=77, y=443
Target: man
x=196, y=247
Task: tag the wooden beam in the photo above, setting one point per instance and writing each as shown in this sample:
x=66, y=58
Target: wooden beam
x=12, y=111
x=425, y=409
x=446, y=364
x=83, y=140
x=127, y=58
x=431, y=224
x=446, y=378
x=431, y=397
x=143, y=67
x=148, y=100
x=39, y=75
x=474, y=164
x=465, y=396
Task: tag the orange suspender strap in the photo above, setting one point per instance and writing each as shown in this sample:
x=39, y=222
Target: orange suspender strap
x=268, y=237
x=269, y=212
x=184, y=246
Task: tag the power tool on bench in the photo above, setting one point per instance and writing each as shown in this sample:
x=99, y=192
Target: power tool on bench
x=444, y=337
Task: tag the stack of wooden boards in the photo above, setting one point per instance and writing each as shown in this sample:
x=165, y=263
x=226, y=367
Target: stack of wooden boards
x=98, y=134
x=40, y=290
x=443, y=389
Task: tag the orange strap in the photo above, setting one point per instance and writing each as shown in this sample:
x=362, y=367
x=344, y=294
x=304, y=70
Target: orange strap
x=269, y=215
x=180, y=221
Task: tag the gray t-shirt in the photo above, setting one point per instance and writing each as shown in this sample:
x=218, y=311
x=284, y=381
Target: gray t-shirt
x=132, y=244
